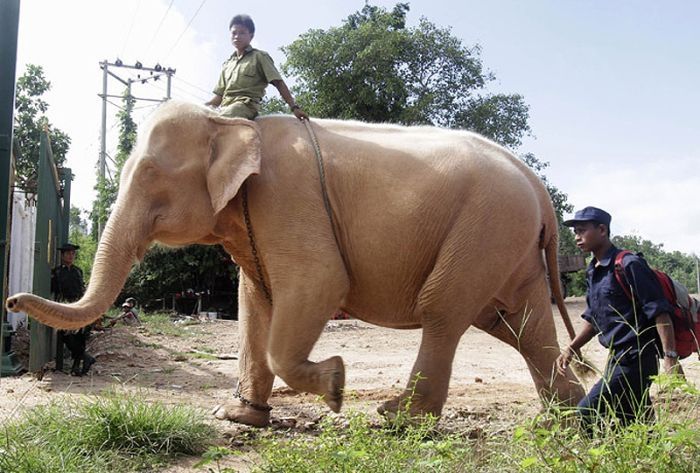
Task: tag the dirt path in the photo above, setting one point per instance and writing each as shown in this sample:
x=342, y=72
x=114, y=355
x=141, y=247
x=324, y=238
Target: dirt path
x=490, y=381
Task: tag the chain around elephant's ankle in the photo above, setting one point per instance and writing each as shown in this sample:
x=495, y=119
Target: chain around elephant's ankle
x=251, y=404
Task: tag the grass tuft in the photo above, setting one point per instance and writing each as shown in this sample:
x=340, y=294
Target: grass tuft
x=160, y=323
x=356, y=444
x=113, y=433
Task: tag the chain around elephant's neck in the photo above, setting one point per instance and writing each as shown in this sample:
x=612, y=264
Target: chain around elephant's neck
x=326, y=204
x=253, y=247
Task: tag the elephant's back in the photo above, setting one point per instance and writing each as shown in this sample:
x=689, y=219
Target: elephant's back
x=399, y=192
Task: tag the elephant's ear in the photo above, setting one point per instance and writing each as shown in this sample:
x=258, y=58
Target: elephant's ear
x=234, y=155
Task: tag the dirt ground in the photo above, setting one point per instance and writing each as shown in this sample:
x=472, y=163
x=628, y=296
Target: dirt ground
x=490, y=388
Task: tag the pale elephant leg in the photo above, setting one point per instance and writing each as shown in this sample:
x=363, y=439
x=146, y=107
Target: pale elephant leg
x=531, y=331
x=299, y=316
x=255, y=378
x=426, y=391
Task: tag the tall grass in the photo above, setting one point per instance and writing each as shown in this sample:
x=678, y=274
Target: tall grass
x=356, y=445
x=551, y=442
x=113, y=433
x=554, y=442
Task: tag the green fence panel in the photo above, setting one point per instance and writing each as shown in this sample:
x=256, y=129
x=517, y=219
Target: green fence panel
x=9, y=24
x=51, y=232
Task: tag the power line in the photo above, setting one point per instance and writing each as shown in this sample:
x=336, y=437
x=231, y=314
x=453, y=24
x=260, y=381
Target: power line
x=133, y=20
x=183, y=91
x=159, y=25
x=143, y=119
x=120, y=107
x=193, y=85
x=190, y=94
x=185, y=30
x=146, y=106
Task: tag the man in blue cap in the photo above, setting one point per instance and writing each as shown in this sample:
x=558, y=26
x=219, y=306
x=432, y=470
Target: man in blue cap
x=636, y=332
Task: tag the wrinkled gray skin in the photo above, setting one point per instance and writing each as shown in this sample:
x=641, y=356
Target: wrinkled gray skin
x=438, y=230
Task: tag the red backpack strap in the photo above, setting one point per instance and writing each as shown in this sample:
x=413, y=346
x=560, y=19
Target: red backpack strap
x=667, y=287
x=620, y=273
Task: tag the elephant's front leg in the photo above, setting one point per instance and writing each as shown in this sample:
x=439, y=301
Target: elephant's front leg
x=299, y=315
x=254, y=376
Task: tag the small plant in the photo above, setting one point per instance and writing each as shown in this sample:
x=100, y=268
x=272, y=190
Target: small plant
x=216, y=455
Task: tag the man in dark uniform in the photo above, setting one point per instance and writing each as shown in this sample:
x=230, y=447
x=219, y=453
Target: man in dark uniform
x=67, y=286
x=636, y=332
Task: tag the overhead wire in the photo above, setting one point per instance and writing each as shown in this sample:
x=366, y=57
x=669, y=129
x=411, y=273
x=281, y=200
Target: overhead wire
x=199, y=97
x=128, y=34
x=193, y=85
x=120, y=107
x=162, y=20
x=185, y=30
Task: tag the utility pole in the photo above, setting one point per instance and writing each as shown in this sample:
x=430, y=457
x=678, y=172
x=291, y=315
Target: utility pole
x=154, y=74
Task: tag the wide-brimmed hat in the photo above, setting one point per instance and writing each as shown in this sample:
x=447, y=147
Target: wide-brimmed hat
x=589, y=214
x=69, y=247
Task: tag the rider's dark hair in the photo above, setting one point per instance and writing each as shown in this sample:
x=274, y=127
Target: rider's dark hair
x=243, y=20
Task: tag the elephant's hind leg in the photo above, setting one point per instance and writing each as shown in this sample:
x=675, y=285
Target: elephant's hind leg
x=532, y=332
x=427, y=387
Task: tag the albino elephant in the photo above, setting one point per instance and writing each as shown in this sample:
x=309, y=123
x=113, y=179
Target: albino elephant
x=436, y=229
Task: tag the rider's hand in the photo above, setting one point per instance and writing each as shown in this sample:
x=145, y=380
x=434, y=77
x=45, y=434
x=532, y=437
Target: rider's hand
x=300, y=114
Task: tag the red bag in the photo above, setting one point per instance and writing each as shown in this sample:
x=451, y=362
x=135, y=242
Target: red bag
x=686, y=312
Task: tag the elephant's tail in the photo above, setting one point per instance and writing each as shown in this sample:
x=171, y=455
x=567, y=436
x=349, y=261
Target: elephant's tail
x=551, y=251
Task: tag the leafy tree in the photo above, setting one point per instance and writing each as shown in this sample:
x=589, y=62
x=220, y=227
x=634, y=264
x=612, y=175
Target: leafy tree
x=107, y=187
x=165, y=271
x=375, y=68
x=78, y=235
x=273, y=105
x=679, y=266
x=77, y=223
x=30, y=121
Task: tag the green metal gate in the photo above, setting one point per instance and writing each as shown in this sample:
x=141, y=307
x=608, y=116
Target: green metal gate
x=9, y=23
x=52, y=219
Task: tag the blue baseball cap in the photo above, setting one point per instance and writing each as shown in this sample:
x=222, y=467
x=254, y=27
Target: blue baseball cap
x=590, y=214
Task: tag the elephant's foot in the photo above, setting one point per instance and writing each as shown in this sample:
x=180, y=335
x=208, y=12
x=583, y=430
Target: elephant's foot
x=242, y=413
x=332, y=377
x=408, y=404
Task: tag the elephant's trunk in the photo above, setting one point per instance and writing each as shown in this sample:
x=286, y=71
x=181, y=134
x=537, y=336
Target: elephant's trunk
x=116, y=253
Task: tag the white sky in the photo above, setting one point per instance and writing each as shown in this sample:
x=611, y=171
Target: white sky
x=612, y=86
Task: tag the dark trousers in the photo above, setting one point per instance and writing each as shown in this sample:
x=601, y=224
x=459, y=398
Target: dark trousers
x=75, y=342
x=623, y=392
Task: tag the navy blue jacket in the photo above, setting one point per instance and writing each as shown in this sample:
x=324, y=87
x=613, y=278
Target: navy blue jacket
x=623, y=327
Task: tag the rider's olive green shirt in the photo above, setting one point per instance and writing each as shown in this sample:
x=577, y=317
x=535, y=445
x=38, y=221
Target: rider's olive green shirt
x=245, y=78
